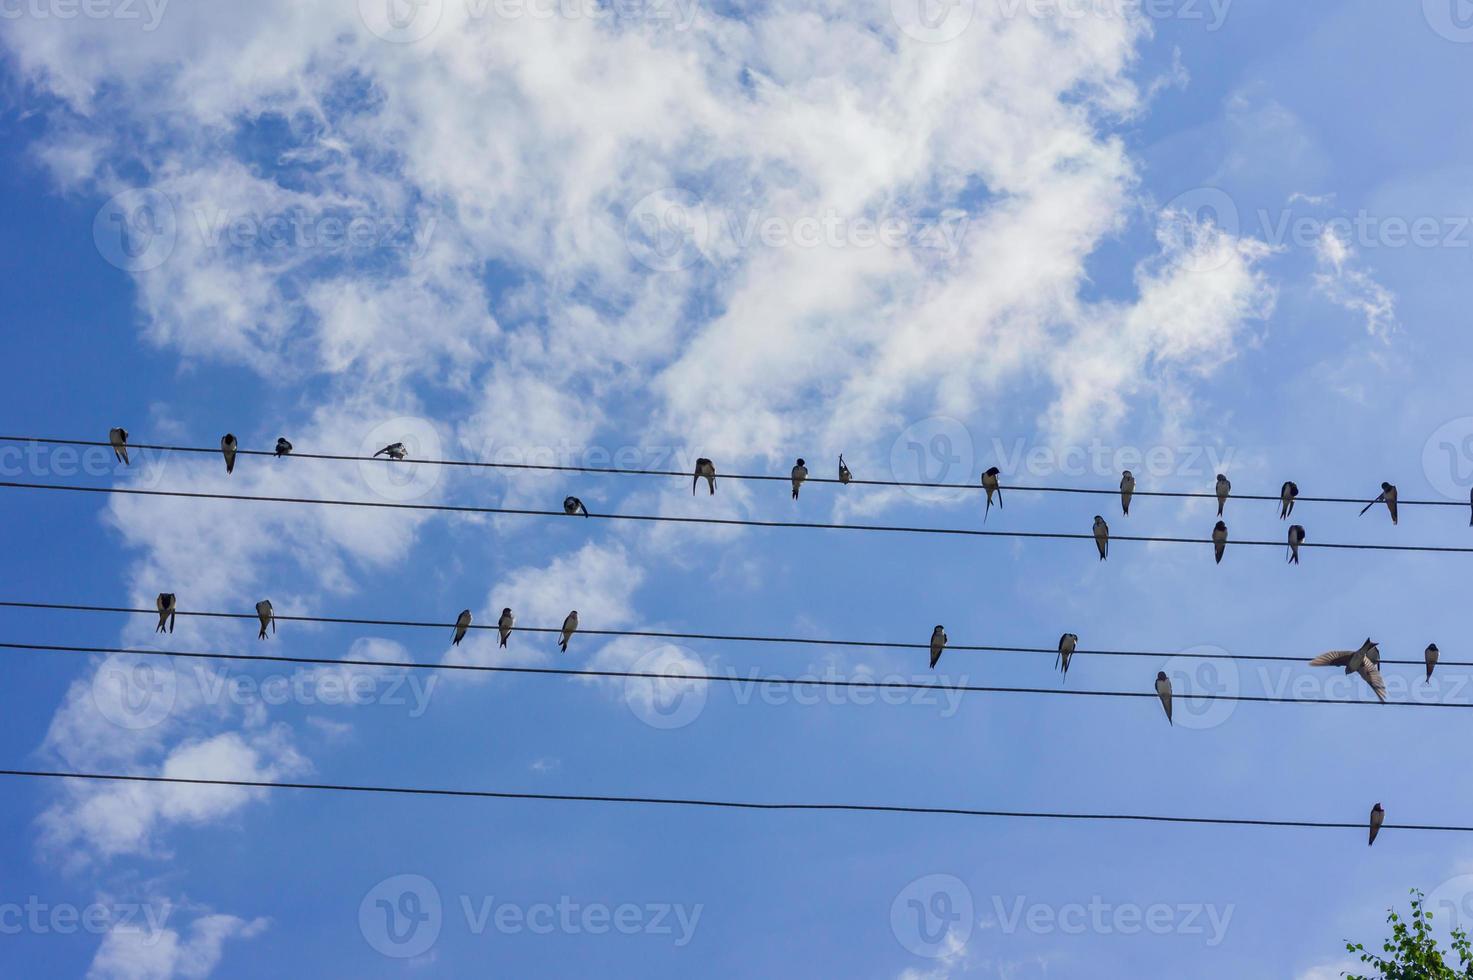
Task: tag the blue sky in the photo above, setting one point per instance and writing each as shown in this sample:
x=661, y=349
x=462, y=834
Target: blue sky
x=1180, y=237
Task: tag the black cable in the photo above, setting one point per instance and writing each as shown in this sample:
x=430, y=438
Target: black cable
x=618, y=471
x=652, y=634
x=724, y=521
x=714, y=678
x=724, y=804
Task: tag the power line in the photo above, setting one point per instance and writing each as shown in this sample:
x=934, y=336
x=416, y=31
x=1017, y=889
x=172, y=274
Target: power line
x=624, y=471
x=877, y=682
x=721, y=521
x=720, y=637
x=725, y=804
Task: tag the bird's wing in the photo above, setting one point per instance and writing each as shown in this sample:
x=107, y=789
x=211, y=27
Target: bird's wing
x=1335, y=658
x=1372, y=676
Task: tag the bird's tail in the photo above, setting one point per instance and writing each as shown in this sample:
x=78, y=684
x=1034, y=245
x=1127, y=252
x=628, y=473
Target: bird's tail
x=564, y=644
x=262, y=634
x=795, y=493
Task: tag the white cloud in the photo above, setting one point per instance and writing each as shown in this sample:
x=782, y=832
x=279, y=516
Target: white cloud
x=1343, y=284
x=133, y=954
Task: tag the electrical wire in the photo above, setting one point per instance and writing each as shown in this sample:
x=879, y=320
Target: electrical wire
x=720, y=521
x=726, y=804
x=620, y=471
x=877, y=682
x=719, y=637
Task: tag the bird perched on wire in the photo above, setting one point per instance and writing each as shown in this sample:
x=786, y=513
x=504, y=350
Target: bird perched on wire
x=462, y=624
x=283, y=448
x=227, y=449
x=267, y=617
x=1387, y=497
x=1287, y=493
x=1378, y=817
x=570, y=626
x=1067, y=643
x=394, y=450
x=118, y=437
x=1296, y=538
x=572, y=506
x=800, y=473
x=938, y=643
x=1102, y=537
x=1364, y=661
x=991, y=485
x=167, y=606
x=845, y=476
x=1219, y=541
x=1224, y=487
x=1163, y=691
x=504, y=624
x=1127, y=490
x=1431, y=654
x=704, y=468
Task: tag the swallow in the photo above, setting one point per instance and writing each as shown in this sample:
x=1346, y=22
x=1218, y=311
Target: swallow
x=1387, y=497
x=119, y=439
x=283, y=448
x=1224, y=487
x=266, y=616
x=845, y=476
x=504, y=624
x=1102, y=537
x=1470, y=507
x=938, y=643
x=462, y=625
x=1067, y=643
x=394, y=450
x=570, y=626
x=1364, y=661
x=1378, y=816
x=1431, y=655
x=990, y=484
x=706, y=468
x=167, y=608
x=1127, y=489
x=572, y=506
x=800, y=473
x=227, y=449
x=1163, y=691
x=1296, y=538
x=1287, y=493
x=1219, y=541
